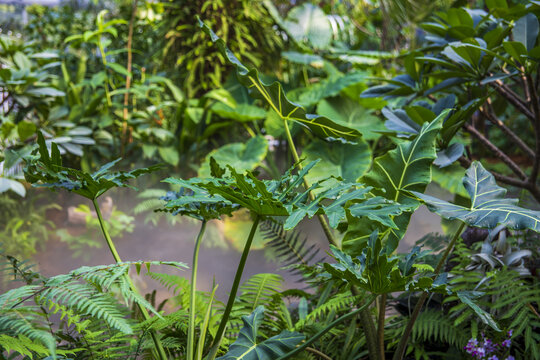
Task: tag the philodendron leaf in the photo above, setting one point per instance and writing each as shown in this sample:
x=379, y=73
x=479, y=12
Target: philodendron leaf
x=275, y=97
x=406, y=168
x=378, y=272
x=488, y=206
x=246, y=347
x=230, y=190
x=49, y=170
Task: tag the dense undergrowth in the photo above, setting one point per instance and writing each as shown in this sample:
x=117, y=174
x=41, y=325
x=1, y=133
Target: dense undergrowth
x=275, y=112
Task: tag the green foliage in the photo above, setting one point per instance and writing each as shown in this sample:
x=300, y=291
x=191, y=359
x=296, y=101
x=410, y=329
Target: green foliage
x=405, y=168
x=85, y=295
x=377, y=272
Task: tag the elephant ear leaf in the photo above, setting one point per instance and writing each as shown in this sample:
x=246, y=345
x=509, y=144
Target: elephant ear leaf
x=488, y=206
x=405, y=168
x=275, y=97
x=246, y=346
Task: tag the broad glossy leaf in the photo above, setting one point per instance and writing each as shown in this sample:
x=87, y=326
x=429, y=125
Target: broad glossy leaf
x=488, y=206
x=326, y=88
x=247, y=346
x=241, y=156
x=346, y=112
x=49, y=170
x=275, y=97
x=348, y=161
x=238, y=190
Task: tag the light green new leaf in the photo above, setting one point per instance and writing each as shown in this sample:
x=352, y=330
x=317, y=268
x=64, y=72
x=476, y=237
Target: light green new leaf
x=275, y=97
x=488, y=206
x=241, y=156
x=406, y=168
x=246, y=346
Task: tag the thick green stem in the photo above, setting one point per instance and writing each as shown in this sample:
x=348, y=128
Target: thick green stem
x=328, y=328
x=400, y=352
x=234, y=290
x=157, y=343
x=193, y=289
x=322, y=220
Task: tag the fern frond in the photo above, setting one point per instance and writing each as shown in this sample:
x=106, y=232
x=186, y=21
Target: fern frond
x=289, y=246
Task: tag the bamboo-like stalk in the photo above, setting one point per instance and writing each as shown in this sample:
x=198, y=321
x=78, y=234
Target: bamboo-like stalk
x=192, y=291
x=162, y=355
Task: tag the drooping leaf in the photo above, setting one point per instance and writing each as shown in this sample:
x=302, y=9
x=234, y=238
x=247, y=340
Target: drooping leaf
x=488, y=206
x=275, y=97
x=467, y=298
x=248, y=347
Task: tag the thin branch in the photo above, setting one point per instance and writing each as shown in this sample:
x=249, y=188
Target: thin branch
x=490, y=115
x=536, y=124
x=318, y=353
x=512, y=98
x=496, y=151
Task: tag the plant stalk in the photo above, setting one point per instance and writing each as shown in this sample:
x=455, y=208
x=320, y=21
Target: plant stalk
x=398, y=355
x=193, y=289
x=162, y=355
x=322, y=220
x=234, y=290
x=380, y=328
x=328, y=328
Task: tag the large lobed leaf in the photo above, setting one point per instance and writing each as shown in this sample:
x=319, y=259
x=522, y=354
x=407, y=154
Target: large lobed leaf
x=488, y=206
x=275, y=97
x=49, y=170
x=246, y=346
x=406, y=168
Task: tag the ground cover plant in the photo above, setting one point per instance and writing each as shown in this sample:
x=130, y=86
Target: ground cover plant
x=346, y=128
